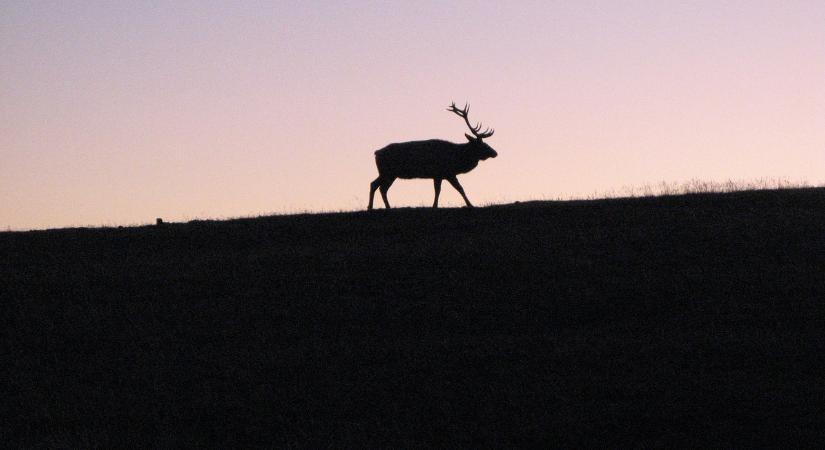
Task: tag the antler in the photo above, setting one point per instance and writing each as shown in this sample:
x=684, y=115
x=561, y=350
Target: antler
x=474, y=129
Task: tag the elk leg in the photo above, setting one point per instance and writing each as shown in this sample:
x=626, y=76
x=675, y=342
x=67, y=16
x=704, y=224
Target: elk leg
x=454, y=181
x=437, y=185
x=385, y=186
x=373, y=187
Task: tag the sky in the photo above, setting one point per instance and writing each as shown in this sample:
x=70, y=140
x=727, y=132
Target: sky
x=116, y=113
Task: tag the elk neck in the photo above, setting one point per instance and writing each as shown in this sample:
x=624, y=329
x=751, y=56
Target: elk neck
x=468, y=159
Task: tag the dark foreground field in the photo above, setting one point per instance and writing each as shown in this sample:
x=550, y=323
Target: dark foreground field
x=690, y=320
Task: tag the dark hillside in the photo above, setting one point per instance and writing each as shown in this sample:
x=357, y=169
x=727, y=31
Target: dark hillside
x=694, y=320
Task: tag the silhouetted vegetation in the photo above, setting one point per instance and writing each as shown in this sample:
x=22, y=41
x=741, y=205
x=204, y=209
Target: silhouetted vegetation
x=692, y=320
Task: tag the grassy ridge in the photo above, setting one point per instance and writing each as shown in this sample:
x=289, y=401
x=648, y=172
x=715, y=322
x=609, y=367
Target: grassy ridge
x=695, y=319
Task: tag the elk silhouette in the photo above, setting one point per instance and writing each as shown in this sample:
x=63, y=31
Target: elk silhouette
x=436, y=159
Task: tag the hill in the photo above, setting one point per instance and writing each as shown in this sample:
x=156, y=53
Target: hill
x=689, y=320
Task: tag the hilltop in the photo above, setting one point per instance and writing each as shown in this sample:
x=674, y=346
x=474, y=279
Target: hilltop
x=691, y=320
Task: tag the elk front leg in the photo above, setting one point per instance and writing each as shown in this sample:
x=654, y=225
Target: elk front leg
x=437, y=185
x=454, y=181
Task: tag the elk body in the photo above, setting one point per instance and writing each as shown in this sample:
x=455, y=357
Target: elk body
x=435, y=159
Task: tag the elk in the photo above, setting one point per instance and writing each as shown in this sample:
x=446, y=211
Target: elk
x=434, y=158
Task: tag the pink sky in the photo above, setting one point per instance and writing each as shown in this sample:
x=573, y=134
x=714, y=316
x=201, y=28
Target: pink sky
x=116, y=115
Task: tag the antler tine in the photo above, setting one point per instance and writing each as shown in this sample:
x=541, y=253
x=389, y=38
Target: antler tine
x=464, y=114
x=487, y=133
x=460, y=112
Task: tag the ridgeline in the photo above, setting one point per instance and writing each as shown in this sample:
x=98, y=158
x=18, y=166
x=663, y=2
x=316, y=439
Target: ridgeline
x=692, y=320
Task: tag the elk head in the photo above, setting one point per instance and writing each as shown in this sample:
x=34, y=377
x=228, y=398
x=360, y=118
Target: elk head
x=476, y=145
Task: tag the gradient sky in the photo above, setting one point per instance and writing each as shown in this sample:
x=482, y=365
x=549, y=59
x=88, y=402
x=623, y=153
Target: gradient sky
x=119, y=112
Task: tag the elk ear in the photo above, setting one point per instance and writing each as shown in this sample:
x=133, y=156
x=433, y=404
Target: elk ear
x=469, y=138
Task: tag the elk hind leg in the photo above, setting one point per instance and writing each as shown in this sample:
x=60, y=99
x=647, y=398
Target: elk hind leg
x=374, y=187
x=385, y=186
